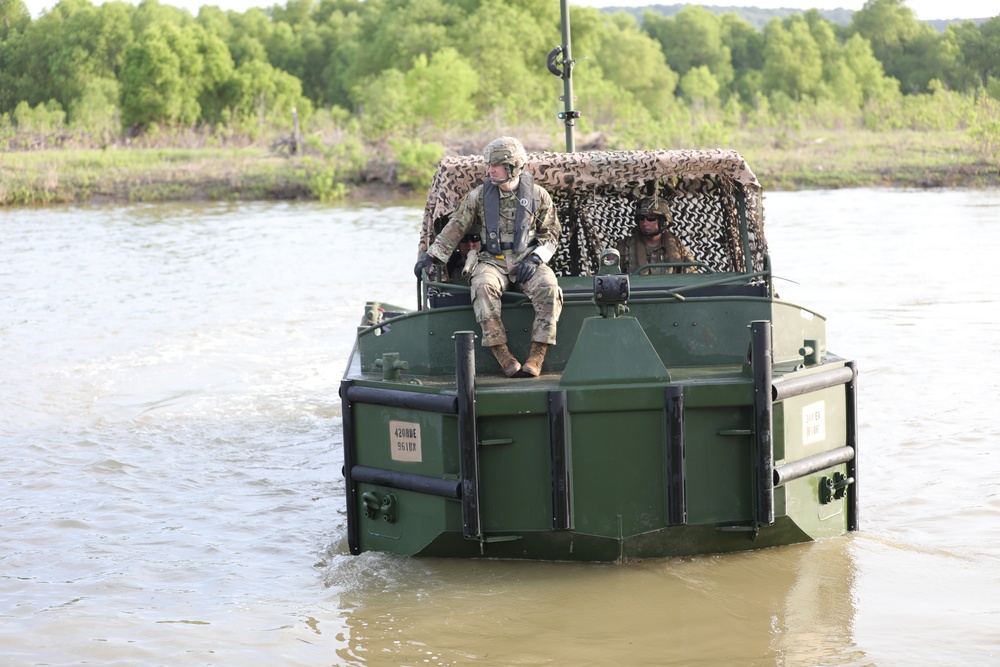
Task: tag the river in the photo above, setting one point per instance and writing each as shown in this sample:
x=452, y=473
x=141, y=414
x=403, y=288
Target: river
x=170, y=464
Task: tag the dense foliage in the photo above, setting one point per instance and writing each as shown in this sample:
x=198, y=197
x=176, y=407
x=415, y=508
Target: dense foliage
x=437, y=70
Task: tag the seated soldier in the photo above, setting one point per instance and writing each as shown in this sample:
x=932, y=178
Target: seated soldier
x=651, y=243
x=456, y=263
x=520, y=230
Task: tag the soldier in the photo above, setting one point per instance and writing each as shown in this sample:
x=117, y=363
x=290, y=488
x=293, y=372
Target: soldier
x=470, y=243
x=520, y=231
x=651, y=243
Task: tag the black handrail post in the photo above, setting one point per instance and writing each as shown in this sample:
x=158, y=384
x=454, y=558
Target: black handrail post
x=853, y=507
x=760, y=331
x=560, y=457
x=676, y=467
x=350, y=457
x=468, y=436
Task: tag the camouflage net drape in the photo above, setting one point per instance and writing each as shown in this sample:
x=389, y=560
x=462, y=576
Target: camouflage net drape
x=595, y=193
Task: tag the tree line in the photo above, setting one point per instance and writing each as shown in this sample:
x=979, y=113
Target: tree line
x=437, y=69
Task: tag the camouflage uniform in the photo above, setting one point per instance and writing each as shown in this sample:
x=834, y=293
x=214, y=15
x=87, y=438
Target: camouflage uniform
x=636, y=253
x=494, y=274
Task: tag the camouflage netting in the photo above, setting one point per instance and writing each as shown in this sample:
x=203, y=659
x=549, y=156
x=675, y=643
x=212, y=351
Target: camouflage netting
x=595, y=193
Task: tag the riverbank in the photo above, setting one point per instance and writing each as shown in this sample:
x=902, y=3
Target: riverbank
x=781, y=160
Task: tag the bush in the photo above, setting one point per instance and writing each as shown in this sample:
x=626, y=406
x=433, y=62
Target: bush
x=416, y=161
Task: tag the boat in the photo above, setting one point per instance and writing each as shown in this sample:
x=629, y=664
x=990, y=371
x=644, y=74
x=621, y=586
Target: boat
x=680, y=413
x=686, y=408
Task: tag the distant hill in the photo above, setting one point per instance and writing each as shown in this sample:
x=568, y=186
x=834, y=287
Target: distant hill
x=759, y=17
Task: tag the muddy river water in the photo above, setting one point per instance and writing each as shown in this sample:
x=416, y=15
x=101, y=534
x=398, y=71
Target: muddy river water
x=170, y=485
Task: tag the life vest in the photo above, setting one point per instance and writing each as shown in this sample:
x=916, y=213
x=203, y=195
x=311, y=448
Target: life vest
x=524, y=216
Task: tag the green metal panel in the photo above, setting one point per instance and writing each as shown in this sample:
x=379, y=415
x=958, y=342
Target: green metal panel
x=616, y=397
x=700, y=331
x=438, y=437
x=802, y=437
x=618, y=472
x=719, y=465
x=613, y=350
x=419, y=520
x=792, y=326
x=515, y=492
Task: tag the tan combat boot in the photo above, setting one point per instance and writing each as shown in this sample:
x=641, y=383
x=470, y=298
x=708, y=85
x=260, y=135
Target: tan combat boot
x=533, y=366
x=508, y=363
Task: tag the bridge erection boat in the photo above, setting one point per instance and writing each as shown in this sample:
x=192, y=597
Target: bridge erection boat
x=680, y=412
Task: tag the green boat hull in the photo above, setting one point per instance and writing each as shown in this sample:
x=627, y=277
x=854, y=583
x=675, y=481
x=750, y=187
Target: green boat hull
x=613, y=454
x=680, y=413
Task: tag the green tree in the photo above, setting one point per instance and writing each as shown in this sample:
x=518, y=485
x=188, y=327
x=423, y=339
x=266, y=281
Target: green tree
x=44, y=118
x=700, y=86
x=397, y=31
x=14, y=16
x=216, y=86
x=746, y=48
x=868, y=72
x=296, y=13
x=910, y=51
x=793, y=64
x=443, y=88
x=251, y=31
x=692, y=38
x=14, y=20
x=152, y=85
x=385, y=107
x=95, y=113
x=633, y=62
x=507, y=45
x=342, y=33
x=57, y=56
x=266, y=95
x=150, y=12
x=980, y=46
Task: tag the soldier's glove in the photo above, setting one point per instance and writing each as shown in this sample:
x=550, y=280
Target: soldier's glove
x=527, y=268
x=422, y=264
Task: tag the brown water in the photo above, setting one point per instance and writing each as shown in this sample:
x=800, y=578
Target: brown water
x=170, y=488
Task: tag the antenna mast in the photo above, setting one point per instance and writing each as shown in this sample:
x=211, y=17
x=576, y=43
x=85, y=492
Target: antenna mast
x=561, y=56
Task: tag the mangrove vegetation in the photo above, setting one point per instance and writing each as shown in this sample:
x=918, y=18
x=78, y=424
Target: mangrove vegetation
x=317, y=98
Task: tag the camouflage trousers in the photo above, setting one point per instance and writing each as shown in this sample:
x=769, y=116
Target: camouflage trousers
x=488, y=284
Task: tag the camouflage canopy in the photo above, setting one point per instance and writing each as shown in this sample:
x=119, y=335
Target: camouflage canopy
x=596, y=193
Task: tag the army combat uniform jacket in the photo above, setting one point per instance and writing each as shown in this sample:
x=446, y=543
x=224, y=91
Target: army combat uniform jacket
x=635, y=253
x=525, y=222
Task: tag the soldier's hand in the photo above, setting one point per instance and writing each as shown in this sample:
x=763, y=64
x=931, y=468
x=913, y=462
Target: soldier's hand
x=527, y=268
x=422, y=264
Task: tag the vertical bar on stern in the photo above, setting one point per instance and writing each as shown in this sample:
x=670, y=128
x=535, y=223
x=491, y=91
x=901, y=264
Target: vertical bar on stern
x=350, y=458
x=760, y=332
x=676, y=469
x=853, y=508
x=559, y=444
x=468, y=435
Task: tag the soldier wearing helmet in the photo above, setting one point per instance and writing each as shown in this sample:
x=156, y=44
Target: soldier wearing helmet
x=517, y=223
x=459, y=260
x=651, y=242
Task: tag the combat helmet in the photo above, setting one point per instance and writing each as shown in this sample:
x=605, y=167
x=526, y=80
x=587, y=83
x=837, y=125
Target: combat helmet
x=653, y=206
x=507, y=151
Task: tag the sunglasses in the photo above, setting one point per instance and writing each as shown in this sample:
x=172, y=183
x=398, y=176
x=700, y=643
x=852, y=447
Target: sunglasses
x=650, y=218
x=471, y=238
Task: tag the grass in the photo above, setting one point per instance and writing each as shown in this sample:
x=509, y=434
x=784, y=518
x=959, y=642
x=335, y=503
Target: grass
x=782, y=160
x=858, y=158
x=147, y=175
